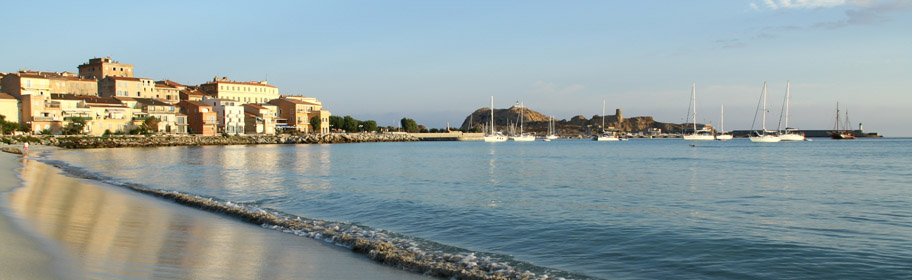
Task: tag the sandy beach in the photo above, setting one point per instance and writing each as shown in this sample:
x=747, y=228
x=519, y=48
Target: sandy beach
x=22, y=257
x=85, y=229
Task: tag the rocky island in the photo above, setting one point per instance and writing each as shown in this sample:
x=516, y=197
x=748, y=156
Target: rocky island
x=537, y=123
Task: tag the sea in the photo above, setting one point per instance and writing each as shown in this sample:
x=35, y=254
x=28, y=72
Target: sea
x=575, y=209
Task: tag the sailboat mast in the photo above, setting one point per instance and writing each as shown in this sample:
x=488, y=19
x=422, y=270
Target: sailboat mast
x=836, y=124
x=764, y=107
x=723, y=117
x=603, y=114
x=522, y=108
x=492, y=115
x=693, y=97
x=788, y=96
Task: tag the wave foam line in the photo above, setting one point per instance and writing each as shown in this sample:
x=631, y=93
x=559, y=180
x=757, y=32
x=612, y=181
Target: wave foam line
x=378, y=246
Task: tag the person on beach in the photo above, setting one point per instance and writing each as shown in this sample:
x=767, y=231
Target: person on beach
x=25, y=147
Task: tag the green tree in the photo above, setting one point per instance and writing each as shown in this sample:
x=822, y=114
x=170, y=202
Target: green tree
x=7, y=127
x=75, y=127
x=315, y=123
x=150, y=125
x=370, y=125
x=25, y=128
x=336, y=122
x=409, y=125
x=351, y=124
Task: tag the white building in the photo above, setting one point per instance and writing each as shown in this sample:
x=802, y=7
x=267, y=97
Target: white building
x=230, y=115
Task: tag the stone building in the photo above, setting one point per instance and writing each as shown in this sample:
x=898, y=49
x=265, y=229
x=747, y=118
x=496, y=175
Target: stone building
x=243, y=92
x=99, y=68
x=201, y=118
x=260, y=118
x=112, y=86
x=230, y=115
x=298, y=110
x=9, y=107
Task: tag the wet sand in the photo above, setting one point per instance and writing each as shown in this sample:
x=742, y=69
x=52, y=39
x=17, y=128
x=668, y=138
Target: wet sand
x=103, y=231
x=22, y=257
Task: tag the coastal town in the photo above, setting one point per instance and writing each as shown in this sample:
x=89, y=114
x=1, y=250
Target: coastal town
x=105, y=98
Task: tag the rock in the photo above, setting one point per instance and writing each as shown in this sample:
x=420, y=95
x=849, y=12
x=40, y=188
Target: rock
x=81, y=142
x=11, y=150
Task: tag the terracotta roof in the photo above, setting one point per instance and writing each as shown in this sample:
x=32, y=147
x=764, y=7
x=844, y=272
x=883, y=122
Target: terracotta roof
x=6, y=96
x=197, y=103
x=124, y=98
x=87, y=98
x=170, y=83
x=295, y=101
x=249, y=114
x=240, y=83
x=192, y=92
x=255, y=106
x=29, y=75
x=153, y=102
x=127, y=78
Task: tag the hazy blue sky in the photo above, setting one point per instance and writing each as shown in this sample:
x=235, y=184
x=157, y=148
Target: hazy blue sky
x=437, y=61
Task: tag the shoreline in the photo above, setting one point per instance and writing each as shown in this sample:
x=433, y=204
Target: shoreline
x=49, y=216
x=121, y=141
x=376, y=248
x=22, y=257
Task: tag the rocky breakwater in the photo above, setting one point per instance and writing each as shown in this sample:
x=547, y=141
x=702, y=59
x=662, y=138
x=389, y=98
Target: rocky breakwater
x=81, y=142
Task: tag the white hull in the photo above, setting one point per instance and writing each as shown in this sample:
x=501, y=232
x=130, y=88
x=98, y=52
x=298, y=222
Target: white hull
x=791, y=137
x=606, y=138
x=765, y=139
x=495, y=138
x=523, y=138
x=724, y=137
x=698, y=137
x=551, y=137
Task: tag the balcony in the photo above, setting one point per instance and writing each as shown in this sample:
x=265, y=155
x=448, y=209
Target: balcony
x=46, y=119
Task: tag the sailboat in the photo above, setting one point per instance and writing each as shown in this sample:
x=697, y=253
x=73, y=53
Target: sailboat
x=723, y=136
x=494, y=136
x=763, y=136
x=844, y=133
x=697, y=135
x=605, y=135
x=551, y=134
x=521, y=136
x=789, y=134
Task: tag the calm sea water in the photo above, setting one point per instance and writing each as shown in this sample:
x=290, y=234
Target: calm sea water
x=640, y=209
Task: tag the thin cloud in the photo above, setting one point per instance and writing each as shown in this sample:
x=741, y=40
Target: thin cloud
x=802, y=4
x=549, y=88
x=857, y=12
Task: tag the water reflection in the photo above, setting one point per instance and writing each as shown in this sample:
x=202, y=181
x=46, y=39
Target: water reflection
x=114, y=233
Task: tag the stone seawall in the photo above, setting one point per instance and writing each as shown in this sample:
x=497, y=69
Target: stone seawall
x=81, y=142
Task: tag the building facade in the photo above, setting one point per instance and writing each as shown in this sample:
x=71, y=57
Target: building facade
x=230, y=115
x=166, y=92
x=170, y=119
x=299, y=112
x=99, y=68
x=9, y=107
x=243, y=92
x=112, y=86
x=260, y=118
x=201, y=118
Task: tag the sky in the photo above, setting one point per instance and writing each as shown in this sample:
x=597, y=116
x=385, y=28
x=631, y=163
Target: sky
x=438, y=61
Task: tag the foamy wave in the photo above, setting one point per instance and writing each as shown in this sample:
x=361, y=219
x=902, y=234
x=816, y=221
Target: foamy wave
x=384, y=247
x=379, y=246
